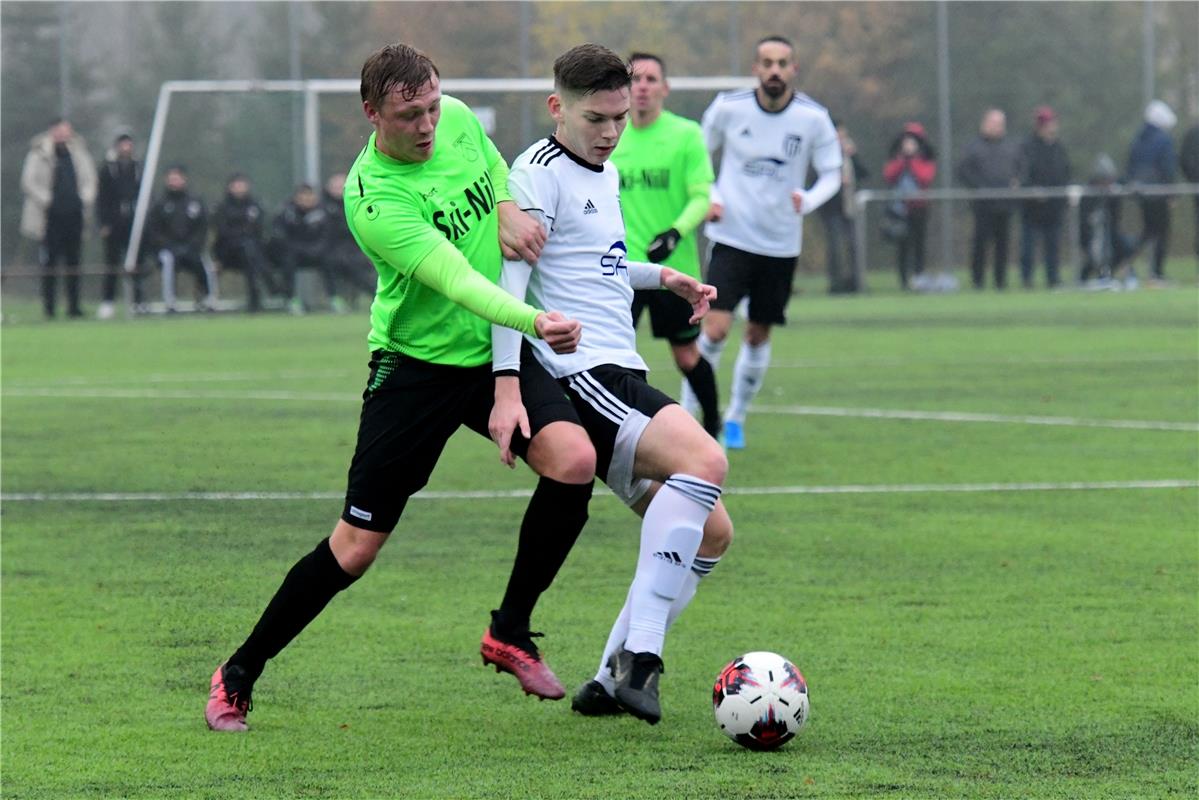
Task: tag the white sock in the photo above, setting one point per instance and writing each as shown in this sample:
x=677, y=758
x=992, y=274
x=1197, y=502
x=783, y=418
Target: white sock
x=711, y=352
x=748, y=374
x=167, y=259
x=670, y=536
x=210, y=276
x=620, y=630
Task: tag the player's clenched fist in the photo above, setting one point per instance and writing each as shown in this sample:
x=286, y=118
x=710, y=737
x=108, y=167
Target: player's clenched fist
x=560, y=333
x=521, y=236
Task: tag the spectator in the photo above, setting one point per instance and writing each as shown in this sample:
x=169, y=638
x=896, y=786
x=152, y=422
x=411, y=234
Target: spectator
x=911, y=167
x=237, y=221
x=58, y=179
x=177, y=232
x=353, y=269
x=1044, y=162
x=1152, y=162
x=1190, y=170
x=1104, y=248
x=991, y=161
x=839, y=215
x=120, y=178
x=300, y=243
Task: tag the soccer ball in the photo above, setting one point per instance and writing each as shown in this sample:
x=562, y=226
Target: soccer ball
x=760, y=700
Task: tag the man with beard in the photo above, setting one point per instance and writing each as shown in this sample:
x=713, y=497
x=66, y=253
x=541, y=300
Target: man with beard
x=768, y=138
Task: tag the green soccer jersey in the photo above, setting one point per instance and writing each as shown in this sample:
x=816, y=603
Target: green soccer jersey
x=406, y=216
x=665, y=175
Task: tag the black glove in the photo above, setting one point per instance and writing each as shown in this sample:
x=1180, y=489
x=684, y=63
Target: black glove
x=662, y=246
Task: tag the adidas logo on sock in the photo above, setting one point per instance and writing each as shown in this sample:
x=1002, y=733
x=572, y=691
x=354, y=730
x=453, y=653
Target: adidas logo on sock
x=670, y=557
x=590, y=208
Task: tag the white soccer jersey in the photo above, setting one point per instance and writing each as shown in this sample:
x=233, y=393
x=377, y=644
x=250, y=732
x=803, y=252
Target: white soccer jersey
x=582, y=271
x=765, y=157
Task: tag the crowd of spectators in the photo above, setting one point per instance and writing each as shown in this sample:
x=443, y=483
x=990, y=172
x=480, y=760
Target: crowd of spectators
x=182, y=236
x=308, y=234
x=993, y=160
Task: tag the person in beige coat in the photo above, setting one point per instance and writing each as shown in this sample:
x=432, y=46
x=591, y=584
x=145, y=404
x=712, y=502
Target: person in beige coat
x=59, y=183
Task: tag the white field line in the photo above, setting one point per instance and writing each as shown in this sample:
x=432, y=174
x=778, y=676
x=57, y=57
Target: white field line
x=272, y=395
x=966, y=416
x=191, y=377
x=282, y=395
x=902, y=488
x=814, y=363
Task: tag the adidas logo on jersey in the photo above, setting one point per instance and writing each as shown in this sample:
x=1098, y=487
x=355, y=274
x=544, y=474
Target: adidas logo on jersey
x=590, y=208
x=746, y=131
x=670, y=557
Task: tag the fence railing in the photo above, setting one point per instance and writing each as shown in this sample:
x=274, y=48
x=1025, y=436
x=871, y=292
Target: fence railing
x=1073, y=195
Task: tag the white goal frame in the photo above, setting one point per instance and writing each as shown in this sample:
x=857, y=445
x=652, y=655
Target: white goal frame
x=311, y=90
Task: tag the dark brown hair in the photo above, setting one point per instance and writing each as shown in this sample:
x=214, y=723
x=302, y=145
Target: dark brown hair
x=648, y=57
x=392, y=66
x=590, y=68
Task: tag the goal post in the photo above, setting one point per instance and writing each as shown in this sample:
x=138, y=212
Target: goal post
x=311, y=91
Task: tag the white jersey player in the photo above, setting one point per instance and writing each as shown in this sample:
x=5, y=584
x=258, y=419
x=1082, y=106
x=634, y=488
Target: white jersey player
x=651, y=452
x=768, y=138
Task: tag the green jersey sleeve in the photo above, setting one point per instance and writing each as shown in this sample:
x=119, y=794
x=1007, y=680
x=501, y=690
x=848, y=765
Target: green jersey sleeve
x=445, y=270
x=699, y=179
x=397, y=232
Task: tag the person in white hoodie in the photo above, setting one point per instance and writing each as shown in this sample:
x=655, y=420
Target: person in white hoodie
x=1152, y=161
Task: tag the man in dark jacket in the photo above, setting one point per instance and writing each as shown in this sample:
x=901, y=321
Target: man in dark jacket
x=120, y=177
x=177, y=231
x=300, y=242
x=238, y=223
x=839, y=216
x=1190, y=170
x=1045, y=163
x=355, y=273
x=1152, y=161
x=991, y=161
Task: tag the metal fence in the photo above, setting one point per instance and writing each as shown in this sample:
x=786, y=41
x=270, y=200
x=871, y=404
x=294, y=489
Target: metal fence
x=951, y=199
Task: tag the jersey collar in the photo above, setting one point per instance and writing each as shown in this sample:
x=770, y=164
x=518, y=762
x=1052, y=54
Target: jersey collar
x=780, y=110
x=576, y=159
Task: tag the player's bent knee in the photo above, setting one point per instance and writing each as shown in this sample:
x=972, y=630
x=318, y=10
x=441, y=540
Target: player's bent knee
x=686, y=357
x=355, y=548
x=563, y=452
x=718, y=534
x=711, y=464
x=757, y=333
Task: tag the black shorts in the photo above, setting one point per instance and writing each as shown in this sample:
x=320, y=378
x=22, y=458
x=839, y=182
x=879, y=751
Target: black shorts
x=614, y=405
x=765, y=279
x=409, y=411
x=669, y=315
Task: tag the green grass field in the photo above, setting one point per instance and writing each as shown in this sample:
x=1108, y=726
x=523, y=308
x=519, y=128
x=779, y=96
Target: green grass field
x=972, y=622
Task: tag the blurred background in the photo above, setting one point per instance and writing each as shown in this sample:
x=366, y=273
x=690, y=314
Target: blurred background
x=875, y=65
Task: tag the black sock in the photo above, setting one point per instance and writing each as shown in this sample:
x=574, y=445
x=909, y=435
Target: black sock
x=306, y=590
x=556, y=515
x=703, y=383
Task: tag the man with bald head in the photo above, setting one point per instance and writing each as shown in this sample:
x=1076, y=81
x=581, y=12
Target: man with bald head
x=991, y=161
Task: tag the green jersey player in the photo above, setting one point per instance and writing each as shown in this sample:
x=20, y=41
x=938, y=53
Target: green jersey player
x=427, y=201
x=665, y=179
